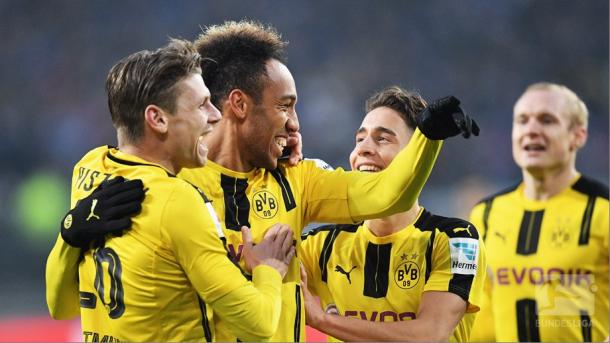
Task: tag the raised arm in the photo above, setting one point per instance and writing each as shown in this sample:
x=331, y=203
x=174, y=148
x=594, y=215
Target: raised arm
x=395, y=189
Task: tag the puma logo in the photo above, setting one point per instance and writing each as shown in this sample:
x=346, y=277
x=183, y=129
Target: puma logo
x=91, y=214
x=340, y=269
x=460, y=229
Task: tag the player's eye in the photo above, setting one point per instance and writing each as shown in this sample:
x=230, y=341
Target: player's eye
x=521, y=120
x=546, y=119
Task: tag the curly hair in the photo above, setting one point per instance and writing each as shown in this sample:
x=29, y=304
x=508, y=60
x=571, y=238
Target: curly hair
x=407, y=103
x=234, y=56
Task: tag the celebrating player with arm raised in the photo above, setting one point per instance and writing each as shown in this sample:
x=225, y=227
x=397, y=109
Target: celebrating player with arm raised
x=243, y=65
x=413, y=276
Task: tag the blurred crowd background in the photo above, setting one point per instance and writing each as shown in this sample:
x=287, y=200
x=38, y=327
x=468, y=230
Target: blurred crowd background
x=56, y=55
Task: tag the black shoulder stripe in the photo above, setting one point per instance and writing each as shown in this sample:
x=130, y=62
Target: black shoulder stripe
x=315, y=230
x=132, y=163
x=452, y=227
x=585, y=224
x=486, y=212
x=329, y=242
x=497, y=194
x=529, y=232
x=460, y=285
x=237, y=205
x=205, y=321
x=289, y=201
x=586, y=326
x=376, y=270
x=203, y=196
x=429, y=255
x=591, y=187
x=340, y=227
x=528, y=328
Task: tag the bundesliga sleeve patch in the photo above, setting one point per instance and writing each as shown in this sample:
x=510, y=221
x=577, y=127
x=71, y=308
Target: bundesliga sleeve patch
x=464, y=255
x=320, y=164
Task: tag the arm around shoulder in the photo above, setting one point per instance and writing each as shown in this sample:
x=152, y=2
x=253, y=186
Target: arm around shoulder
x=395, y=189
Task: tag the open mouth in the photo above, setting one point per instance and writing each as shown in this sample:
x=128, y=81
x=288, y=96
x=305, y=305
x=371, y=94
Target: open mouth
x=281, y=142
x=534, y=147
x=369, y=168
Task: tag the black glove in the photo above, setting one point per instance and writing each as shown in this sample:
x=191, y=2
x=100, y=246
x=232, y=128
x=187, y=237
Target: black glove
x=444, y=118
x=107, y=210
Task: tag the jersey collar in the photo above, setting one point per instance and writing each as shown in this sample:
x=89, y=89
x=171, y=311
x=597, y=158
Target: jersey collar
x=232, y=173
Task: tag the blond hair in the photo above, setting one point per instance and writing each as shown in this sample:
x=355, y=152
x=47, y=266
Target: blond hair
x=575, y=107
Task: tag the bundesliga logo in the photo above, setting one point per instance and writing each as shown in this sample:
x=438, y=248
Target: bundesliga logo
x=464, y=255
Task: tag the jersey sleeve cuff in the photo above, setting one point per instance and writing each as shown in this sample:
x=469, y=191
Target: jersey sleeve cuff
x=264, y=275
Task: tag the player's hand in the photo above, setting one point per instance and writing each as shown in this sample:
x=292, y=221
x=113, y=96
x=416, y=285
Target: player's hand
x=293, y=152
x=314, y=314
x=443, y=118
x=105, y=211
x=295, y=143
x=275, y=250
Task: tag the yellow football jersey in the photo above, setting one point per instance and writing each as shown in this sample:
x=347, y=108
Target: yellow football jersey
x=383, y=278
x=297, y=195
x=161, y=280
x=548, y=264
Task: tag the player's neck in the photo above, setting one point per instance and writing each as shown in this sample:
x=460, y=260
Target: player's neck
x=149, y=150
x=546, y=184
x=386, y=226
x=224, y=149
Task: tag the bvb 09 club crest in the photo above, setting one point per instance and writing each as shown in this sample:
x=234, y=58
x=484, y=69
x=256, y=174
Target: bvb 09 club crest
x=265, y=204
x=407, y=275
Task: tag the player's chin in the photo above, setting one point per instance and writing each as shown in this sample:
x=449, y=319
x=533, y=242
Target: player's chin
x=199, y=158
x=270, y=161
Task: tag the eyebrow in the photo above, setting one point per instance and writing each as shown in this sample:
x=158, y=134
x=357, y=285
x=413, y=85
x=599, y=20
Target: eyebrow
x=379, y=128
x=288, y=97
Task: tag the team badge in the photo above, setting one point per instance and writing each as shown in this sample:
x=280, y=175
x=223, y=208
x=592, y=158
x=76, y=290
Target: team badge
x=407, y=274
x=265, y=204
x=560, y=235
x=464, y=255
x=68, y=222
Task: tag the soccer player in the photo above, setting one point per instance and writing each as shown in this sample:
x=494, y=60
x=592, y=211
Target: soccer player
x=547, y=236
x=161, y=280
x=408, y=277
x=243, y=66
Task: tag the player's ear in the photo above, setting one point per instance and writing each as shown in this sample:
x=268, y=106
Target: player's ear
x=156, y=118
x=579, y=138
x=240, y=103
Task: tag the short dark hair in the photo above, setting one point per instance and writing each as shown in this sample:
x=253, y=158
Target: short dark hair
x=407, y=103
x=146, y=78
x=234, y=56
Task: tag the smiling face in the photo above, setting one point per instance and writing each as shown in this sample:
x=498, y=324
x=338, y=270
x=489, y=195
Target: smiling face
x=194, y=117
x=382, y=134
x=544, y=137
x=273, y=119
